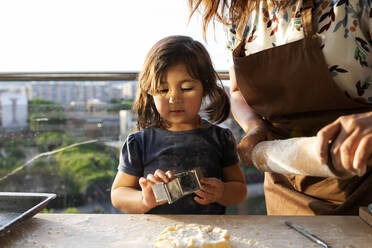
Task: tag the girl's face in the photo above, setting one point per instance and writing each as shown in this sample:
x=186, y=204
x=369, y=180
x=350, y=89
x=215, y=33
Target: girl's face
x=179, y=99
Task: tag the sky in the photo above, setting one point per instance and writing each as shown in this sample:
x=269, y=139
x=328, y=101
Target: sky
x=94, y=35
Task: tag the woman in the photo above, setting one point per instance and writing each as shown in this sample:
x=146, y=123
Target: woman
x=303, y=68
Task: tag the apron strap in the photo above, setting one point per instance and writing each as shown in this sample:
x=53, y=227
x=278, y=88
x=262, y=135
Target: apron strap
x=307, y=20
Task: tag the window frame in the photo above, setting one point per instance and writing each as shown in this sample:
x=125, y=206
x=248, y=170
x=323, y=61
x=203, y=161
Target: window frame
x=78, y=76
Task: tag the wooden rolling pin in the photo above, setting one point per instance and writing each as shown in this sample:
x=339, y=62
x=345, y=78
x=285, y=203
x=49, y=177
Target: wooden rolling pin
x=293, y=156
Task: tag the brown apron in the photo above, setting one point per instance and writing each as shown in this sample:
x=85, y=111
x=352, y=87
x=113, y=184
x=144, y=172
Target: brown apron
x=291, y=88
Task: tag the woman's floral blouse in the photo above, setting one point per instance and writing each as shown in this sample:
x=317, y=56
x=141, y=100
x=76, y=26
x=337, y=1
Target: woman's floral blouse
x=345, y=29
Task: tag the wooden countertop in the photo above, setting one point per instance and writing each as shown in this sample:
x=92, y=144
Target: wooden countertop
x=137, y=231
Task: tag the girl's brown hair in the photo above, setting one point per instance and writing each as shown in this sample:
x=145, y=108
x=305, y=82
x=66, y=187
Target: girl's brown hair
x=170, y=51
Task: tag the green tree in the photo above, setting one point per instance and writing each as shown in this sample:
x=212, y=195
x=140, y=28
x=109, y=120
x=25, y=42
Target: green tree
x=12, y=154
x=87, y=165
x=49, y=141
x=71, y=211
x=119, y=104
x=42, y=113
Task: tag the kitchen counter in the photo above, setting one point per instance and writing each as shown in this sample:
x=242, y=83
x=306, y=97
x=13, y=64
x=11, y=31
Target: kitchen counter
x=137, y=231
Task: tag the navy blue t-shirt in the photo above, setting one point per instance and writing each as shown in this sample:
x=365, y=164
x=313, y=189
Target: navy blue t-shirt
x=209, y=147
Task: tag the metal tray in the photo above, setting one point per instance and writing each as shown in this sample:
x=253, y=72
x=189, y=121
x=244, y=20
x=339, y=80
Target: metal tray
x=15, y=207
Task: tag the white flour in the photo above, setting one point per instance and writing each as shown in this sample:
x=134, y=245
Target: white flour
x=292, y=156
x=193, y=235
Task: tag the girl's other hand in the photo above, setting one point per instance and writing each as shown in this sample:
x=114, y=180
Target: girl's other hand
x=212, y=191
x=349, y=140
x=148, y=197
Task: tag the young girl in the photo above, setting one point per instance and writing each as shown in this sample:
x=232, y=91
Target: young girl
x=177, y=76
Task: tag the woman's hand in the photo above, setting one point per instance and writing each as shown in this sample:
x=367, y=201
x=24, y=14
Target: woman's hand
x=351, y=143
x=212, y=191
x=249, y=141
x=148, y=197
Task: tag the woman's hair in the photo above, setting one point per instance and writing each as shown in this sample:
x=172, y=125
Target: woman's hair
x=237, y=12
x=168, y=52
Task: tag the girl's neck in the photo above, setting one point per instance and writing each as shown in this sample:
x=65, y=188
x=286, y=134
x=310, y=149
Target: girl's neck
x=182, y=126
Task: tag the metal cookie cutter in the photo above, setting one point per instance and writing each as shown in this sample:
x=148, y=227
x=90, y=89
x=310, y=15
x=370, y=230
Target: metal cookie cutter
x=185, y=183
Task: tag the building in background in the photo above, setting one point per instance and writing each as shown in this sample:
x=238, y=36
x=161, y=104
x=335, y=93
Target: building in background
x=13, y=109
x=127, y=123
x=129, y=90
x=80, y=91
x=96, y=105
x=116, y=91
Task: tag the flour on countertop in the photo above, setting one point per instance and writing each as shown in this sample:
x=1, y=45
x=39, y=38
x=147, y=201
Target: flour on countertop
x=193, y=235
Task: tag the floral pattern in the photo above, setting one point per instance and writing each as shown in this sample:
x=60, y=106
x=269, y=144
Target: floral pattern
x=345, y=30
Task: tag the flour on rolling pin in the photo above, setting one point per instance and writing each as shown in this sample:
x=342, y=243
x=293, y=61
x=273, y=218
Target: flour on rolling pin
x=291, y=156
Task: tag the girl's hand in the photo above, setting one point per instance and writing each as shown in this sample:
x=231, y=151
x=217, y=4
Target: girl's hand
x=249, y=141
x=212, y=191
x=350, y=138
x=148, y=197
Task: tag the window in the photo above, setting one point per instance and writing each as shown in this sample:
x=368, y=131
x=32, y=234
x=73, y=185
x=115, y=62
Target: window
x=67, y=84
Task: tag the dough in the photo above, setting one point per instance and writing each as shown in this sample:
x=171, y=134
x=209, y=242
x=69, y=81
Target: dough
x=193, y=236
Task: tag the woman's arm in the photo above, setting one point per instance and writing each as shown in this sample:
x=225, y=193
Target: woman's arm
x=248, y=120
x=242, y=112
x=231, y=191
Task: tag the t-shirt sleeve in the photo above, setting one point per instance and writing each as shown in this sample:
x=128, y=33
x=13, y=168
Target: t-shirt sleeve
x=130, y=161
x=230, y=154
